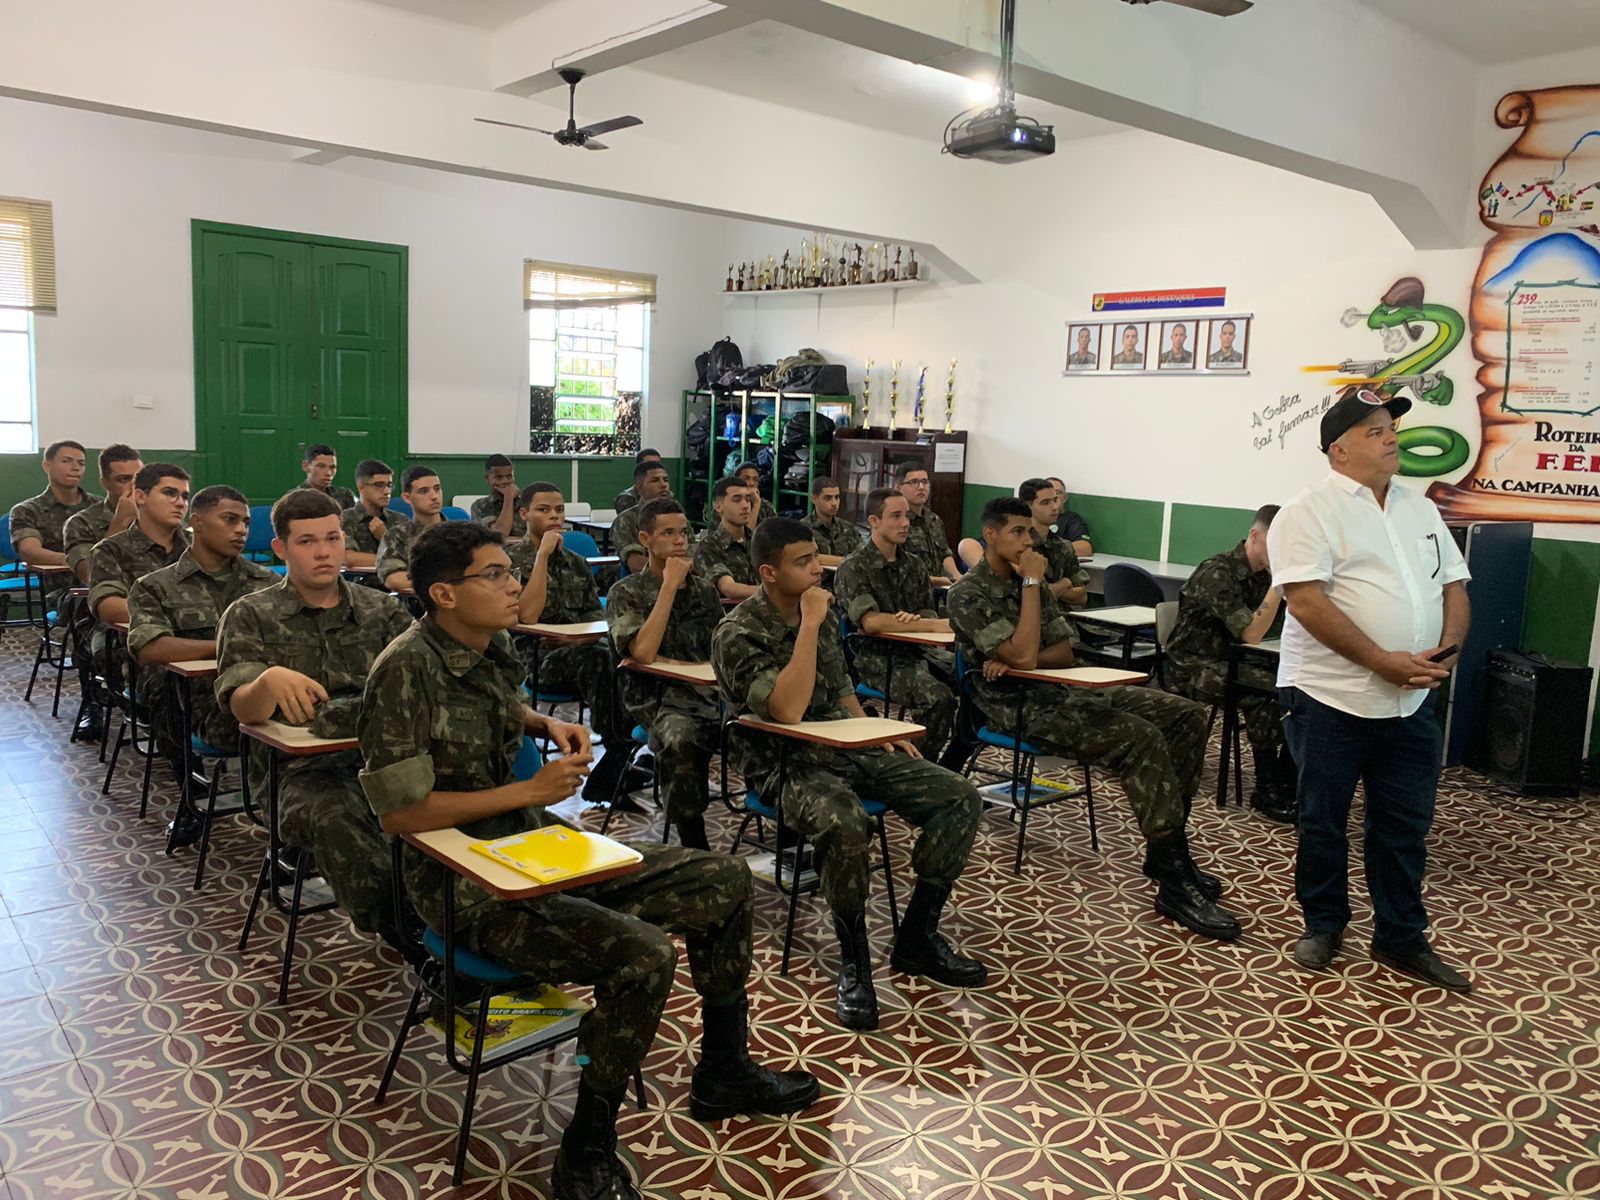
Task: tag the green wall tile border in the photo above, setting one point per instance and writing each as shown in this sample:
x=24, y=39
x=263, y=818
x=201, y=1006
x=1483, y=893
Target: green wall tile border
x=1200, y=530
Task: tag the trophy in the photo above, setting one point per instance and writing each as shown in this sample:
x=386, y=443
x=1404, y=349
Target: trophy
x=950, y=398
x=916, y=408
x=894, y=271
x=911, y=267
x=814, y=277
x=883, y=264
x=740, y=288
x=783, y=271
x=894, y=394
x=871, y=275
x=866, y=396
x=844, y=271
x=803, y=264
x=855, y=267
x=728, y=287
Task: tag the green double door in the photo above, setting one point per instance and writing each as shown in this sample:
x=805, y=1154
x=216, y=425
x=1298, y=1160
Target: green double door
x=298, y=339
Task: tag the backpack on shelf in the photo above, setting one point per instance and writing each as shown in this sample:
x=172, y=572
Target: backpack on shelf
x=710, y=367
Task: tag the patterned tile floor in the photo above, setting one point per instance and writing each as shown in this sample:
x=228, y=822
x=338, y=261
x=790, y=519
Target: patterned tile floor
x=1111, y=1056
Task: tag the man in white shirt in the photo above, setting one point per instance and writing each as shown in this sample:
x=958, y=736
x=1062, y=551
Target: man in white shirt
x=1377, y=599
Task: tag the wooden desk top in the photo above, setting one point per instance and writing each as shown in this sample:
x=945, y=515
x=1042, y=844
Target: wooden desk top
x=578, y=631
x=1270, y=646
x=349, y=570
x=589, y=523
x=119, y=626
x=921, y=638
x=49, y=569
x=454, y=849
x=195, y=668
x=1123, y=616
x=295, y=740
x=1161, y=569
x=849, y=733
x=80, y=592
x=1084, y=677
x=699, y=674
x=602, y=560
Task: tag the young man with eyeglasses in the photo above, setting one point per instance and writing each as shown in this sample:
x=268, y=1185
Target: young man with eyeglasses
x=366, y=523
x=927, y=539
x=442, y=722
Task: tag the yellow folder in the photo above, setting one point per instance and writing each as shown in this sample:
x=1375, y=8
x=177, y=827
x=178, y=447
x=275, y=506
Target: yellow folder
x=555, y=853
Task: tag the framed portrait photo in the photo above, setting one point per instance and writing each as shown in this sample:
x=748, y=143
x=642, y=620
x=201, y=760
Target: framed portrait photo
x=1176, y=349
x=1083, y=346
x=1128, y=345
x=1228, y=347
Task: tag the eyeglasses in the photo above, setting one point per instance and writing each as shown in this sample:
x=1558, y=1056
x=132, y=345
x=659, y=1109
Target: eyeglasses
x=490, y=575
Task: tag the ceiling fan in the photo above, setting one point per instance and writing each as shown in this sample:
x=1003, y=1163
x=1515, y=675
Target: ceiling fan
x=573, y=134
x=1217, y=8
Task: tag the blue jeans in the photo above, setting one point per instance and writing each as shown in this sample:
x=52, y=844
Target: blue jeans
x=1397, y=759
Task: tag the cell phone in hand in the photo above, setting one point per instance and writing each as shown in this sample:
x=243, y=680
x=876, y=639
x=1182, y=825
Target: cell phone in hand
x=1444, y=654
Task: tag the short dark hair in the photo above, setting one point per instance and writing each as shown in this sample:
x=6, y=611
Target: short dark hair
x=370, y=468
x=413, y=474
x=113, y=454
x=302, y=504
x=878, y=497
x=1001, y=509
x=654, y=509
x=443, y=553
x=821, y=484
x=766, y=548
x=55, y=448
x=538, y=487
x=153, y=473
x=725, y=485
x=318, y=449
x=1263, y=517
x=1029, y=491
x=1130, y=329
x=209, y=497
x=1061, y=484
x=641, y=469
x=496, y=460
x=647, y=452
x=907, y=467
x=1227, y=325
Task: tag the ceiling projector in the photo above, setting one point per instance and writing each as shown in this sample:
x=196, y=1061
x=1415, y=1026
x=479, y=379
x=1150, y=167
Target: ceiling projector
x=996, y=134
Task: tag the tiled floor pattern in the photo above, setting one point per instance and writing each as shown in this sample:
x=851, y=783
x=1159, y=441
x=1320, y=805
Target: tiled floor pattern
x=1111, y=1056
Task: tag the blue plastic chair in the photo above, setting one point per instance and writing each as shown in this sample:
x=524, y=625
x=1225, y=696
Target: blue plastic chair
x=450, y=964
x=580, y=543
x=451, y=513
x=401, y=506
x=258, y=543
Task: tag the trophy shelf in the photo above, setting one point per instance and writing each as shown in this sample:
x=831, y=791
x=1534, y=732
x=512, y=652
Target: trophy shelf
x=843, y=289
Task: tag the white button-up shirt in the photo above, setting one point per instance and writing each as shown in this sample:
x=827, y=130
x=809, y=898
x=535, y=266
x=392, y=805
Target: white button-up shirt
x=1384, y=568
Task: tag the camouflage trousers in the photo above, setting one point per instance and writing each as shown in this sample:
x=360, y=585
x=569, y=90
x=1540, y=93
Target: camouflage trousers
x=683, y=743
x=322, y=808
x=915, y=683
x=614, y=936
x=1155, y=741
x=1258, y=709
x=822, y=794
x=591, y=672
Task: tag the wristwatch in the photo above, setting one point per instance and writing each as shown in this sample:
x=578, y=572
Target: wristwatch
x=1031, y=581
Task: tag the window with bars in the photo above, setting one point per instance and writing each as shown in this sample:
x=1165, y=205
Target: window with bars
x=17, y=432
x=588, y=355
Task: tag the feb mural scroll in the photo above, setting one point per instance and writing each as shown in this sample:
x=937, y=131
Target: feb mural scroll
x=1535, y=319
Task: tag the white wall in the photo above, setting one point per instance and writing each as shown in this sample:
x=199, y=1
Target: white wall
x=124, y=192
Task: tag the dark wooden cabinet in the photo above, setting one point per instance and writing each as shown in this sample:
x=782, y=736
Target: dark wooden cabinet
x=866, y=458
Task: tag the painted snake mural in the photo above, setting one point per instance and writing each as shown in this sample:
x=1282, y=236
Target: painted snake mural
x=1425, y=450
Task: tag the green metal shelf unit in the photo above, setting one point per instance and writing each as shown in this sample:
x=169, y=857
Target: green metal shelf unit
x=734, y=433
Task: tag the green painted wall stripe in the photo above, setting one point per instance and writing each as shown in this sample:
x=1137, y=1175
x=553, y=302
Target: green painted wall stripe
x=1120, y=526
x=972, y=502
x=1200, y=530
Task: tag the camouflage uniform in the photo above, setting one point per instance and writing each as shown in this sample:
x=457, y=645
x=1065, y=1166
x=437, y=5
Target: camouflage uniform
x=1216, y=604
x=342, y=496
x=837, y=536
x=486, y=510
x=394, y=552
x=684, y=721
x=1155, y=741
x=928, y=540
x=118, y=561
x=1061, y=560
x=823, y=788
x=45, y=517
x=440, y=716
x=869, y=583
x=627, y=498
x=356, y=523
x=764, y=510
x=589, y=670
x=186, y=601
x=83, y=530
x=625, y=534
x=320, y=805
x=716, y=554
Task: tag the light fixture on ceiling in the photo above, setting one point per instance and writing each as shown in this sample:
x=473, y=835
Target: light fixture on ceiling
x=982, y=91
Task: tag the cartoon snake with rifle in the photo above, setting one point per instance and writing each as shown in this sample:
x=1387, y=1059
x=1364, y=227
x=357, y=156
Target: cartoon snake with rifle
x=1403, y=305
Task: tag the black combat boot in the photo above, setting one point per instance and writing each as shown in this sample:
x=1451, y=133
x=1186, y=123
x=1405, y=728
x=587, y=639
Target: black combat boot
x=1209, y=885
x=726, y=1082
x=587, y=1166
x=920, y=949
x=857, y=1001
x=692, y=833
x=1179, y=895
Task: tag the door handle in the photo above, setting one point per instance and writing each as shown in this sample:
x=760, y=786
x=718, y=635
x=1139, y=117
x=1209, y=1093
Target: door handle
x=314, y=411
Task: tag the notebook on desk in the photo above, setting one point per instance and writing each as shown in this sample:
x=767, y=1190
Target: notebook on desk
x=556, y=854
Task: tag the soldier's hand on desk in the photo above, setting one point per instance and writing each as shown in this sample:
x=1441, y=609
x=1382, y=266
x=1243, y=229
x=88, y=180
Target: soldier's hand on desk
x=556, y=780
x=1032, y=564
x=1410, y=671
x=909, y=749
x=675, y=571
x=569, y=738
x=905, y=618
x=295, y=695
x=993, y=668
x=814, y=605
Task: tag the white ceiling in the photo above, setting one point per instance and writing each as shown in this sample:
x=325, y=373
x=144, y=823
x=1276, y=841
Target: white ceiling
x=486, y=14
x=786, y=66
x=1500, y=31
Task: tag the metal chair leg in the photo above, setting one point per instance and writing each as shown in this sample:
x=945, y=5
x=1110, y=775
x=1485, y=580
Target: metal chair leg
x=116, y=752
x=888, y=874
x=255, y=900
x=205, y=827
x=400, y=1041
x=1088, y=792
x=294, y=923
x=794, y=895
x=1024, y=806
x=472, y=1085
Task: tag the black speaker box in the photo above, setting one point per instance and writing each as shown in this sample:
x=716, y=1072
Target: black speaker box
x=1534, y=710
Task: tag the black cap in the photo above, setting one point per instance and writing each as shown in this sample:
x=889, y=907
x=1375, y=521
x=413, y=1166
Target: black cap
x=1352, y=407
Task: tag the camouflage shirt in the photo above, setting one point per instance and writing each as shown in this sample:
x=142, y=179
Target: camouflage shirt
x=716, y=554
x=44, y=517
x=1061, y=560
x=186, y=601
x=749, y=649
x=837, y=536
x=342, y=496
x=867, y=582
x=627, y=498
x=763, y=511
x=928, y=540
x=984, y=611
x=84, y=529
x=1215, y=605
x=570, y=592
x=486, y=509
x=118, y=561
x=356, y=523
x=696, y=612
x=439, y=716
x=394, y=552
x=625, y=531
